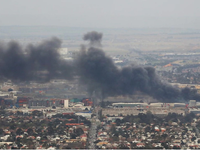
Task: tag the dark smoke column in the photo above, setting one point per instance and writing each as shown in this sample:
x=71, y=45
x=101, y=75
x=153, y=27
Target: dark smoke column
x=36, y=62
x=95, y=69
x=94, y=37
x=100, y=74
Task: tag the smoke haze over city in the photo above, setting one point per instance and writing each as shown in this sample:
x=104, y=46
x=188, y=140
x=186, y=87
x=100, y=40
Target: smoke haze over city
x=95, y=69
x=109, y=74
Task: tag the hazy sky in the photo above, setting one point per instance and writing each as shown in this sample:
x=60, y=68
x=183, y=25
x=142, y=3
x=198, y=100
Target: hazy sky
x=101, y=13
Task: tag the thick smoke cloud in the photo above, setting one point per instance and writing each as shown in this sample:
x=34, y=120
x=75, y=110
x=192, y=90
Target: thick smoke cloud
x=41, y=62
x=94, y=38
x=99, y=73
x=96, y=70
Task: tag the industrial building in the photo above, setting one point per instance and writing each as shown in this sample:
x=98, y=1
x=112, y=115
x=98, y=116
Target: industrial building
x=7, y=99
x=129, y=104
x=149, y=105
x=84, y=114
x=85, y=101
x=192, y=103
x=22, y=101
x=120, y=111
x=46, y=103
x=194, y=110
x=64, y=103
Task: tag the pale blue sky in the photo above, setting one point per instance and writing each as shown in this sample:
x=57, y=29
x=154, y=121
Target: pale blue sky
x=101, y=13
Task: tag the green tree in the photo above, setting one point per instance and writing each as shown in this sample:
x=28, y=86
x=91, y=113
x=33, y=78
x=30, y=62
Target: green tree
x=30, y=131
x=37, y=113
x=19, y=131
x=193, y=138
x=79, y=131
x=1, y=131
x=50, y=130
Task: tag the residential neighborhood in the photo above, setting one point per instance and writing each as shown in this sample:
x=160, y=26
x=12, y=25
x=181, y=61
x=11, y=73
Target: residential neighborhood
x=33, y=131
x=99, y=74
x=69, y=131
x=148, y=131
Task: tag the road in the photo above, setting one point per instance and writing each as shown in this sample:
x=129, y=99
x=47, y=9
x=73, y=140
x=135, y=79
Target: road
x=93, y=131
x=197, y=131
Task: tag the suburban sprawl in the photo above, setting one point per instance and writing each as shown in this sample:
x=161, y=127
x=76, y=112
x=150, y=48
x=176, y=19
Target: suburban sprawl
x=141, y=93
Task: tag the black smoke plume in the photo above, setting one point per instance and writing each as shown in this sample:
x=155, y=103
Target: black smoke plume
x=99, y=73
x=35, y=62
x=94, y=38
x=96, y=70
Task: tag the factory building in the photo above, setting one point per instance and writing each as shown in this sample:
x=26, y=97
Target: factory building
x=151, y=105
x=75, y=100
x=179, y=104
x=195, y=111
x=192, y=103
x=7, y=99
x=22, y=101
x=85, y=101
x=45, y=103
x=84, y=114
x=129, y=104
x=167, y=105
x=198, y=104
